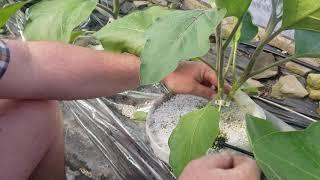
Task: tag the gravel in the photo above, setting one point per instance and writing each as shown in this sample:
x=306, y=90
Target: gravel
x=165, y=118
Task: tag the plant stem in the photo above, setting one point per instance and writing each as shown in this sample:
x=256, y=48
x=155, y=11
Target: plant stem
x=234, y=77
x=230, y=60
x=245, y=76
x=116, y=8
x=102, y=8
x=220, y=62
x=272, y=65
x=234, y=31
x=208, y=64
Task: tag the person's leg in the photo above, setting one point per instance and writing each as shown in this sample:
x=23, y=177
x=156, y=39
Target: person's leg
x=31, y=140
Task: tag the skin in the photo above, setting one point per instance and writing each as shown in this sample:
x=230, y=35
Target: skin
x=40, y=73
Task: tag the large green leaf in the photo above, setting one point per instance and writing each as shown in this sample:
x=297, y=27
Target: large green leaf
x=55, y=19
x=235, y=8
x=8, y=11
x=285, y=155
x=193, y=136
x=301, y=14
x=248, y=29
x=180, y=35
x=127, y=34
x=307, y=43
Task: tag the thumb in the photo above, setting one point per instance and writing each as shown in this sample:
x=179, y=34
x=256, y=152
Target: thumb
x=203, y=91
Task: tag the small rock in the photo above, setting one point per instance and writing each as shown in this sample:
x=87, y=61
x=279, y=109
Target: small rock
x=255, y=83
x=288, y=86
x=298, y=69
x=313, y=81
x=140, y=4
x=314, y=94
x=263, y=60
x=312, y=61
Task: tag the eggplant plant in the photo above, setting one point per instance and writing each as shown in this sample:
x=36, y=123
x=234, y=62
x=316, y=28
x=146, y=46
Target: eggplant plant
x=163, y=37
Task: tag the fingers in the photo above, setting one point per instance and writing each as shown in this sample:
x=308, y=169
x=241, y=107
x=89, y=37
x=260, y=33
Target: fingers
x=203, y=91
x=218, y=161
x=210, y=76
x=244, y=168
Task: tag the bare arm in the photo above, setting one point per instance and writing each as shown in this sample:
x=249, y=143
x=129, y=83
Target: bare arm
x=43, y=70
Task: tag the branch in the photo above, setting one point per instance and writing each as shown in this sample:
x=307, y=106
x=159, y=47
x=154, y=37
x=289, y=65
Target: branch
x=273, y=65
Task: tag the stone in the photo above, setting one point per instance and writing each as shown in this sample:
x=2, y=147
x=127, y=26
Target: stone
x=255, y=83
x=313, y=81
x=288, y=86
x=318, y=109
x=141, y=4
x=314, y=94
x=263, y=60
x=297, y=68
x=312, y=61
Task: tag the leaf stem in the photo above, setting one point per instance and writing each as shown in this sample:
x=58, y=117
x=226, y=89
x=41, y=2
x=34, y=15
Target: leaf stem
x=245, y=76
x=273, y=65
x=116, y=8
x=234, y=31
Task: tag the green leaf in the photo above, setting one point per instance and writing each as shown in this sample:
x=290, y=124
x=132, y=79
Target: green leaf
x=180, y=35
x=286, y=155
x=140, y=116
x=249, y=89
x=193, y=136
x=55, y=20
x=127, y=34
x=235, y=8
x=75, y=35
x=8, y=11
x=248, y=29
x=307, y=43
x=301, y=14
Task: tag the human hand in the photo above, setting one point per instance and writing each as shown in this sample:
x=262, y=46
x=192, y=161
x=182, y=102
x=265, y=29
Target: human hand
x=221, y=167
x=194, y=78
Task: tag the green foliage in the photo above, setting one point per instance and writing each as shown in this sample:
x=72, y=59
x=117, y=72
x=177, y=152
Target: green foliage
x=285, y=155
x=8, y=11
x=180, y=35
x=301, y=14
x=140, y=116
x=193, y=136
x=75, y=35
x=307, y=43
x=248, y=29
x=127, y=34
x=55, y=19
x=237, y=8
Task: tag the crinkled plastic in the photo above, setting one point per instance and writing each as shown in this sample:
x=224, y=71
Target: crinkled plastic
x=128, y=155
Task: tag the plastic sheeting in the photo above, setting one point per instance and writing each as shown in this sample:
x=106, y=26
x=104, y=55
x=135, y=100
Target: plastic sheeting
x=123, y=147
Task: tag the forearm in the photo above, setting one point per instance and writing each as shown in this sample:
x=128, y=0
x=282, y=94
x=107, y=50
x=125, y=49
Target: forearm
x=42, y=70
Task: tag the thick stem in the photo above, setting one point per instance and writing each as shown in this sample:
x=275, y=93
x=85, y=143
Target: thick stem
x=220, y=62
x=116, y=8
